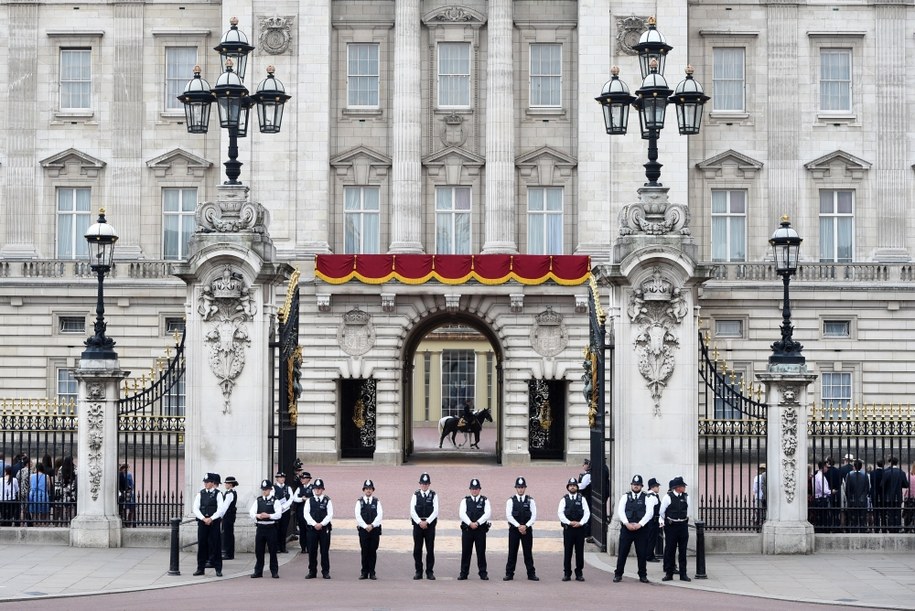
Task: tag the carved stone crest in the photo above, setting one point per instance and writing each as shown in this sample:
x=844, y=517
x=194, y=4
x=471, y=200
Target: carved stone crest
x=453, y=132
x=548, y=335
x=95, y=391
x=226, y=304
x=356, y=333
x=234, y=213
x=628, y=32
x=655, y=308
x=276, y=34
x=654, y=215
x=455, y=14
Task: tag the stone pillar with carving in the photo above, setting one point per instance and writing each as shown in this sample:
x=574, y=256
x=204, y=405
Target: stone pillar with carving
x=786, y=529
x=97, y=522
x=231, y=281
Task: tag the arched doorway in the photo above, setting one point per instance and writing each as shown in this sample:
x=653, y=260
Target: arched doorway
x=448, y=359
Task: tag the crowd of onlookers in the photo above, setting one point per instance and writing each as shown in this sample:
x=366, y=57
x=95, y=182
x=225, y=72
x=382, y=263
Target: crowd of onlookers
x=855, y=498
x=37, y=492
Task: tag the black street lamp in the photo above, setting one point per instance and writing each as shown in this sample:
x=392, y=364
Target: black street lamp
x=232, y=98
x=101, y=238
x=652, y=98
x=786, y=245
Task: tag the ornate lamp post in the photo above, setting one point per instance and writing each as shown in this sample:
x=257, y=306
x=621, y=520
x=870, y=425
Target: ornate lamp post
x=233, y=99
x=101, y=237
x=652, y=98
x=786, y=245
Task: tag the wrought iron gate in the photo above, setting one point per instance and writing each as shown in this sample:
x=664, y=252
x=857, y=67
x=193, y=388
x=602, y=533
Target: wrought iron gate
x=546, y=418
x=732, y=447
x=290, y=373
x=151, y=426
x=594, y=377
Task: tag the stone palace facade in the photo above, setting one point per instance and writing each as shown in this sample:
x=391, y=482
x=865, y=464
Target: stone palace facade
x=464, y=127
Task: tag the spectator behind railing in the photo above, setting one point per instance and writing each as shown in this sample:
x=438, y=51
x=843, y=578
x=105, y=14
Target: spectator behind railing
x=39, y=495
x=65, y=490
x=9, y=498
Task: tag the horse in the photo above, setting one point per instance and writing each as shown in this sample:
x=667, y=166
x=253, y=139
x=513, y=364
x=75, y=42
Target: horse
x=449, y=426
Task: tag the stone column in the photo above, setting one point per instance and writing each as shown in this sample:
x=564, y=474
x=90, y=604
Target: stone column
x=231, y=293
x=500, y=133
x=97, y=523
x=786, y=530
x=406, y=132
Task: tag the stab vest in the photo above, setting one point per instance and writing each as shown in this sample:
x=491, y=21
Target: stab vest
x=318, y=509
x=369, y=510
x=678, y=506
x=209, y=502
x=657, y=506
x=425, y=507
x=265, y=505
x=574, y=510
x=635, y=507
x=476, y=510
x=521, y=510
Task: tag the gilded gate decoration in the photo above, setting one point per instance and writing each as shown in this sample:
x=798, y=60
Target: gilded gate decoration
x=546, y=411
x=358, y=411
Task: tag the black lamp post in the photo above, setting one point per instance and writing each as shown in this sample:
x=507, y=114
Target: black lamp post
x=232, y=98
x=101, y=237
x=652, y=98
x=786, y=245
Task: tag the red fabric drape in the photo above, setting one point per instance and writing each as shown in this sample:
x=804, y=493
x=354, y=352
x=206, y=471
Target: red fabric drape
x=567, y=270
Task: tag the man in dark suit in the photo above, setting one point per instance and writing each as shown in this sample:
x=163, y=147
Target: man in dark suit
x=893, y=481
x=877, y=498
x=834, y=477
x=857, y=489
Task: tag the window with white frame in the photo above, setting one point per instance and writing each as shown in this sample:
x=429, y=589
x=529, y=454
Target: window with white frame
x=544, y=220
x=836, y=392
x=179, y=69
x=546, y=75
x=837, y=225
x=362, y=220
x=73, y=219
x=452, y=220
x=174, y=324
x=836, y=328
x=454, y=75
x=71, y=324
x=362, y=75
x=178, y=224
x=729, y=225
x=75, y=79
x=728, y=328
x=728, y=397
x=458, y=380
x=835, y=80
x=175, y=400
x=728, y=79
x=67, y=386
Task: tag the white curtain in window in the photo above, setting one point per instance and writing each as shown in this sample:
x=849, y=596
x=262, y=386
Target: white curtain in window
x=454, y=74
x=835, y=80
x=75, y=79
x=728, y=79
x=546, y=75
x=362, y=70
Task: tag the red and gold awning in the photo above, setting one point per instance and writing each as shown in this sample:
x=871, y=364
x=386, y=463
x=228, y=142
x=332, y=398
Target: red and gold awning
x=568, y=270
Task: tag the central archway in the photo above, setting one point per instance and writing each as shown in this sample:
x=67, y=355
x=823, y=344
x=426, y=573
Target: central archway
x=411, y=344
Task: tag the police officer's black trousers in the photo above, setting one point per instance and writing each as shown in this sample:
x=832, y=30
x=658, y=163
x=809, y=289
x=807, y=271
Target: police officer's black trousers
x=265, y=540
x=208, y=544
x=676, y=535
x=573, y=539
x=283, y=532
x=318, y=540
x=368, y=543
x=527, y=543
x=303, y=527
x=424, y=536
x=651, y=543
x=228, y=536
x=628, y=539
x=473, y=539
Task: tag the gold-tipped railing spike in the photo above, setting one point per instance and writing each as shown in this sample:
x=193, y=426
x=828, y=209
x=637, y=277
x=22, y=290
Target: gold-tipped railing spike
x=177, y=337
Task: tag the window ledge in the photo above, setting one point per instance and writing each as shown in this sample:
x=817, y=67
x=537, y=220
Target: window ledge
x=555, y=111
x=64, y=118
x=459, y=110
x=848, y=119
x=728, y=115
x=362, y=112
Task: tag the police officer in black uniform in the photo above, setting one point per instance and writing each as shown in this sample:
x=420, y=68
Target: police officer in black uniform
x=319, y=512
x=302, y=493
x=674, y=513
x=424, y=515
x=230, y=498
x=474, y=512
x=284, y=496
x=654, y=524
x=209, y=509
x=634, y=511
x=573, y=515
x=368, y=522
x=266, y=511
x=521, y=513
